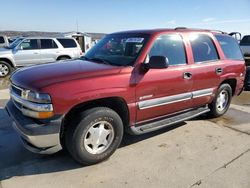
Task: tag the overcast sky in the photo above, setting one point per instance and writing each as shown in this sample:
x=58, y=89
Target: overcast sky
x=116, y=15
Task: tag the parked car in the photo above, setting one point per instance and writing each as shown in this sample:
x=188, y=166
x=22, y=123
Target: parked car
x=3, y=41
x=135, y=81
x=245, y=47
x=247, y=79
x=34, y=50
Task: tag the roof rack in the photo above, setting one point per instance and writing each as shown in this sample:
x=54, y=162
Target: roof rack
x=197, y=29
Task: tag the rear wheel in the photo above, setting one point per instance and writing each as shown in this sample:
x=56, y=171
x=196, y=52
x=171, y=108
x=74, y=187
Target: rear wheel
x=5, y=69
x=222, y=101
x=94, y=136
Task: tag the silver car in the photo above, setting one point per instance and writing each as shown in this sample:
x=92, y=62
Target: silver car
x=3, y=41
x=33, y=50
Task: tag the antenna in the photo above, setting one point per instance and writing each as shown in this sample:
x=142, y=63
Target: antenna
x=76, y=25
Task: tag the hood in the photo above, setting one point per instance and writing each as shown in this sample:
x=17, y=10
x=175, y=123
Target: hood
x=5, y=51
x=37, y=77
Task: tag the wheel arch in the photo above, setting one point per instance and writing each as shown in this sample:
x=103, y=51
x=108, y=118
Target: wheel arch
x=62, y=56
x=7, y=61
x=117, y=104
x=232, y=82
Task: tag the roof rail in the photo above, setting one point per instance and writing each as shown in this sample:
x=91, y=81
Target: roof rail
x=208, y=30
x=217, y=31
x=180, y=28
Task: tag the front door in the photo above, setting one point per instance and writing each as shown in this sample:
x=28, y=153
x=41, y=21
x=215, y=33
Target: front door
x=27, y=53
x=160, y=92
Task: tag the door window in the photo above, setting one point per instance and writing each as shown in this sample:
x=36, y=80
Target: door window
x=203, y=48
x=171, y=47
x=29, y=44
x=48, y=44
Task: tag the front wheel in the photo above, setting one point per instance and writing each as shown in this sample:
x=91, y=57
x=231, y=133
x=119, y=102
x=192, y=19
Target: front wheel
x=222, y=101
x=5, y=69
x=95, y=136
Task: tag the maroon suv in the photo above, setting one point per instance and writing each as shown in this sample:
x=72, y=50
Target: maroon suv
x=134, y=81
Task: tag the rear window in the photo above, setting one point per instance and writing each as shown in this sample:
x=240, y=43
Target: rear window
x=245, y=41
x=68, y=43
x=48, y=44
x=1, y=40
x=230, y=47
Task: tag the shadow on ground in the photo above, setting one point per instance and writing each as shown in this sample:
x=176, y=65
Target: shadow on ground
x=17, y=161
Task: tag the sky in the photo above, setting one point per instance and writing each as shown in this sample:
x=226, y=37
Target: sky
x=107, y=16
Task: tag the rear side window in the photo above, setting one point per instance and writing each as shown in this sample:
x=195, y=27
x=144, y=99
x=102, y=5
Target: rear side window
x=171, y=47
x=230, y=47
x=48, y=44
x=245, y=41
x=1, y=40
x=203, y=48
x=68, y=43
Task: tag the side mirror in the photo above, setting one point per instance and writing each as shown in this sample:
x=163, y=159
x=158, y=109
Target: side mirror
x=157, y=62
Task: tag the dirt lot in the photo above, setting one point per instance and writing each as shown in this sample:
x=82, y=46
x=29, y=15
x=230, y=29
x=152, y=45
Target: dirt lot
x=196, y=153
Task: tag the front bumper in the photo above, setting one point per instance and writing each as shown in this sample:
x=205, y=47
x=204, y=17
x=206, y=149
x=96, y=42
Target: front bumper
x=43, y=138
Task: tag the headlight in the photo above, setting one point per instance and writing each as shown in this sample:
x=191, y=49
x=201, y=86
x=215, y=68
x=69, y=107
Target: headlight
x=35, y=97
x=32, y=104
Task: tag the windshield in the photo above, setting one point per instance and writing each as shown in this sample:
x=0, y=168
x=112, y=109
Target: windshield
x=117, y=49
x=15, y=43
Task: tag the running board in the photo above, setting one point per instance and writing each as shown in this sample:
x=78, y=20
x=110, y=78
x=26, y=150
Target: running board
x=153, y=126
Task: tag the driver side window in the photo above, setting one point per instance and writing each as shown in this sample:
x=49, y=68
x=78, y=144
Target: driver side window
x=29, y=44
x=171, y=47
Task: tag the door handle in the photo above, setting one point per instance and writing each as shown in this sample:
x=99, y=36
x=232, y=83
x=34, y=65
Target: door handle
x=218, y=70
x=35, y=53
x=187, y=75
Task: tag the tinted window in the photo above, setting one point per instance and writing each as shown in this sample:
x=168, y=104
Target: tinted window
x=245, y=41
x=203, y=48
x=29, y=44
x=171, y=47
x=48, y=44
x=230, y=47
x=1, y=40
x=67, y=43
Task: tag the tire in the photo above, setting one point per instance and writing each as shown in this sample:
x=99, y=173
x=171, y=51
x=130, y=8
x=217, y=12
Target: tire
x=94, y=136
x=221, y=102
x=5, y=69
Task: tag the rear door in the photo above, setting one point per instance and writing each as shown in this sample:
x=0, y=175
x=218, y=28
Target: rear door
x=49, y=50
x=27, y=53
x=206, y=69
x=160, y=92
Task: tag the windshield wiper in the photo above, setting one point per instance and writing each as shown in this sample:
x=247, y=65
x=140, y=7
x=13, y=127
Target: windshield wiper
x=100, y=60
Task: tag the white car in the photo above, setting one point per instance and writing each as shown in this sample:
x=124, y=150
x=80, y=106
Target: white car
x=33, y=50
